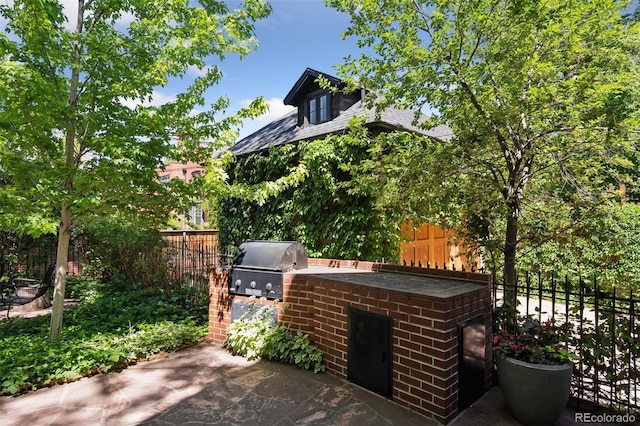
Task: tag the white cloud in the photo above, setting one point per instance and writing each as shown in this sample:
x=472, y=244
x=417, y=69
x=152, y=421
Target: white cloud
x=125, y=19
x=277, y=109
x=157, y=99
x=197, y=72
x=71, y=11
x=70, y=8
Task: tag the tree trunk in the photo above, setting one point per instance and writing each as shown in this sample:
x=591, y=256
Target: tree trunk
x=509, y=274
x=64, y=236
x=510, y=242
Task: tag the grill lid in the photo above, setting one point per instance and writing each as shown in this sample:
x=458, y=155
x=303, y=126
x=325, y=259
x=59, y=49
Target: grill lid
x=280, y=256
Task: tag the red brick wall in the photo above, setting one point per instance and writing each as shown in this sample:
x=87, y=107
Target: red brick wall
x=219, y=305
x=184, y=171
x=425, y=330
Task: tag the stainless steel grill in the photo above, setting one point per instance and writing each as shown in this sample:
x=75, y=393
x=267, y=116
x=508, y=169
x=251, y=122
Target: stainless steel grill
x=258, y=267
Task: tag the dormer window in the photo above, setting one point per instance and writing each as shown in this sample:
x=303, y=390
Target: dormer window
x=318, y=108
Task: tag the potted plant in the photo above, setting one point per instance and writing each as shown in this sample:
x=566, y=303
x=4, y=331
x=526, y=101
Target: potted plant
x=534, y=367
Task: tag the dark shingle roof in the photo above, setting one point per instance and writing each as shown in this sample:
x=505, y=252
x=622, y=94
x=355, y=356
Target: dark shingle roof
x=285, y=129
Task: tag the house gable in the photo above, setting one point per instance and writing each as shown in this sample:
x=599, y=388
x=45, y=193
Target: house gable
x=342, y=107
x=429, y=244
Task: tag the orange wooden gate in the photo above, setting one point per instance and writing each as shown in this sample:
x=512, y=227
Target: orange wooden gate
x=431, y=246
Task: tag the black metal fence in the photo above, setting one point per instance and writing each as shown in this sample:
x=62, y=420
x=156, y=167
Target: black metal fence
x=30, y=257
x=606, y=335
x=25, y=256
x=191, y=254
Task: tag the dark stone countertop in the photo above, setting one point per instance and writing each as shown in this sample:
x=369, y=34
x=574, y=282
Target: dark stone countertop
x=433, y=287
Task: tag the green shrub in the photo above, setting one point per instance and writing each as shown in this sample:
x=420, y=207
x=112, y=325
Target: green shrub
x=255, y=335
x=124, y=254
x=77, y=287
x=129, y=258
x=601, y=242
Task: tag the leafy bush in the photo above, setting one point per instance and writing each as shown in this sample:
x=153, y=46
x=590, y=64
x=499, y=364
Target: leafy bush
x=529, y=339
x=600, y=241
x=110, y=329
x=121, y=252
x=132, y=258
x=79, y=288
x=255, y=335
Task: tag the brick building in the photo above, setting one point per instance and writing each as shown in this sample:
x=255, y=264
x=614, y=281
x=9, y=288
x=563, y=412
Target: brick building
x=187, y=172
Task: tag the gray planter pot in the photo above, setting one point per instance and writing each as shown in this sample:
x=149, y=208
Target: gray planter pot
x=536, y=394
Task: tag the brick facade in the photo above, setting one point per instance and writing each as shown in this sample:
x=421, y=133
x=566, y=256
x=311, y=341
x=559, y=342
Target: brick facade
x=426, y=328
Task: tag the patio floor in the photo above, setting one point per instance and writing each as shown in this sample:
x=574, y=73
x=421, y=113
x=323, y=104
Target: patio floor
x=204, y=384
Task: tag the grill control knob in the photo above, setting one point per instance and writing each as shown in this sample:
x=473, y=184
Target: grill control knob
x=252, y=284
x=268, y=286
x=238, y=283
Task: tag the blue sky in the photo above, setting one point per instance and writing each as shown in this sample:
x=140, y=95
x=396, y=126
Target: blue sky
x=298, y=34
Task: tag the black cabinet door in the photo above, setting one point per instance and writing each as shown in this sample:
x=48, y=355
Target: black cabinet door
x=369, y=351
x=471, y=367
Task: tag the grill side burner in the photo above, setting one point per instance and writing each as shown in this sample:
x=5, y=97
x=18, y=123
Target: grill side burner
x=258, y=267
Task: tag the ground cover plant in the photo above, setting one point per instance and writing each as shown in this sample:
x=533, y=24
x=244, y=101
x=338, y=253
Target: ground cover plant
x=113, y=327
x=257, y=335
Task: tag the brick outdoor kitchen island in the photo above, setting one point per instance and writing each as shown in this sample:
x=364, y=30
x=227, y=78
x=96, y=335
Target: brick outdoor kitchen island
x=421, y=337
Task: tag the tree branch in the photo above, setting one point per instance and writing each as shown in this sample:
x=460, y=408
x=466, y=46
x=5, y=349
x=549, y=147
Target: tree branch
x=425, y=18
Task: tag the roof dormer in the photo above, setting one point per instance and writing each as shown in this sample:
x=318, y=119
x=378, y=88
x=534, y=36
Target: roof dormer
x=320, y=112
x=315, y=104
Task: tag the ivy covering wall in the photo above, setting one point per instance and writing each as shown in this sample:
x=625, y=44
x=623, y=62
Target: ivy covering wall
x=327, y=213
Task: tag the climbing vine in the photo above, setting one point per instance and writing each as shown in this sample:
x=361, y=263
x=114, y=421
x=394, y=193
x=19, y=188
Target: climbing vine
x=326, y=211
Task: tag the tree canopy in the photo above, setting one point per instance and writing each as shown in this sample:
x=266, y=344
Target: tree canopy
x=80, y=134
x=542, y=98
